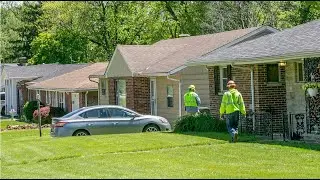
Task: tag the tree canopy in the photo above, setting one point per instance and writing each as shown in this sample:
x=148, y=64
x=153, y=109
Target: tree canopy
x=89, y=31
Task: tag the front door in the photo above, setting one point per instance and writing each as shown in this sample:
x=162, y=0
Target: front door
x=153, y=96
x=75, y=101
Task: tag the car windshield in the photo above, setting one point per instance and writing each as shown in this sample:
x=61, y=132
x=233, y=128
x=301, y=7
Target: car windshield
x=72, y=113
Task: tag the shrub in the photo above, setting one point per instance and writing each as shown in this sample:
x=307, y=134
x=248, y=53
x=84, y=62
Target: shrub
x=47, y=113
x=202, y=122
x=57, y=112
x=29, y=108
x=44, y=114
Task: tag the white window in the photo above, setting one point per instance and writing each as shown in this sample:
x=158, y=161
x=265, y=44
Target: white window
x=223, y=79
x=53, y=98
x=169, y=96
x=61, y=100
x=299, y=72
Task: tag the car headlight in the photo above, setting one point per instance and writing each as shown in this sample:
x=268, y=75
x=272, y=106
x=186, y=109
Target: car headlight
x=163, y=120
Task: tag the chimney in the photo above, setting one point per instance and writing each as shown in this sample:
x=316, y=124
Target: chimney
x=184, y=35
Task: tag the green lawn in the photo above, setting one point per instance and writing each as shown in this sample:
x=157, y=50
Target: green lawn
x=5, y=122
x=153, y=155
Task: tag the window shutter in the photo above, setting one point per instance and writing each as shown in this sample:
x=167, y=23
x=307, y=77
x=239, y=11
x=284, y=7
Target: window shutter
x=216, y=74
x=229, y=74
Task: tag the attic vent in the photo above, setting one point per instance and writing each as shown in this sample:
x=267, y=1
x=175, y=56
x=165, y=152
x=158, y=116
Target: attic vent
x=184, y=35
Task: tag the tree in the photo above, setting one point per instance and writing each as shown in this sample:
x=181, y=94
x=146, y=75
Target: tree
x=63, y=47
x=28, y=14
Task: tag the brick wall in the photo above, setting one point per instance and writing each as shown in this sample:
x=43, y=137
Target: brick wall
x=266, y=95
x=138, y=93
x=142, y=95
x=111, y=89
x=68, y=102
x=272, y=96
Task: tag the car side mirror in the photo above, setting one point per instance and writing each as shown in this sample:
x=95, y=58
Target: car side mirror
x=133, y=116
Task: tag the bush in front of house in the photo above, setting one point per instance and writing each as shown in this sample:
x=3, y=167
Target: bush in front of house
x=57, y=112
x=202, y=122
x=44, y=114
x=29, y=108
x=47, y=113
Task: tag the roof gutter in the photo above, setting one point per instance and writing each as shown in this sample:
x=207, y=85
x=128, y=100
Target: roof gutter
x=92, y=80
x=257, y=60
x=62, y=89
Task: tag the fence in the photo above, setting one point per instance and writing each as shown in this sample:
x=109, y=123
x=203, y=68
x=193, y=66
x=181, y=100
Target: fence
x=264, y=125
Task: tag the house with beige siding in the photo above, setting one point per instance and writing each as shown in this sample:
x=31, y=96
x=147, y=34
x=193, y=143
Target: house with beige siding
x=149, y=78
x=270, y=72
x=71, y=90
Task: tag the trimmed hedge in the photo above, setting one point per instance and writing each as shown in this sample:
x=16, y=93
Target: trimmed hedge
x=29, y=108
x=202, y=122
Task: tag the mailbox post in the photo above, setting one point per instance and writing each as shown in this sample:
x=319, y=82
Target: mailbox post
x=39, y=115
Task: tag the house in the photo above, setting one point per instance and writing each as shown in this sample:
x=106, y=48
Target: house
x=2, y=65
x=17, y=77
x=71, y=90
x=103, y=94
x=270, y=71
x=147, y=78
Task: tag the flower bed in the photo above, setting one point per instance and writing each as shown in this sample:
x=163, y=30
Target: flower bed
x=27, y=126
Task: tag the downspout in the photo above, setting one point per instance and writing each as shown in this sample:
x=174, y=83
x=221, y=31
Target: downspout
x=252, y=92
x=86, y=98
x=177, y=80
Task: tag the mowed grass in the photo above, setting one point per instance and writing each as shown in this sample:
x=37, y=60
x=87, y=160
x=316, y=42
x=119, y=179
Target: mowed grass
x=5, y=122
x=153, y=155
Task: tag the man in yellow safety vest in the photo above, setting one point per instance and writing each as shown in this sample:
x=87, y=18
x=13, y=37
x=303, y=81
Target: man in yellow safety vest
x=191, y=101
x=232, y=105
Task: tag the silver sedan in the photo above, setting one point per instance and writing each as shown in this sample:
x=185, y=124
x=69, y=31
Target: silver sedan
x=105, y=119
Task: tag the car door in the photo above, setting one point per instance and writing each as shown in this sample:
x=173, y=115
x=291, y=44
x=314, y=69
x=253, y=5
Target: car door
x=123, y=121
x=97, y=121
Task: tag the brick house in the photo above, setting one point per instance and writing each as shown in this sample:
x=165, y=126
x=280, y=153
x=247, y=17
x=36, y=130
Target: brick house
x=71, y=90
x=149, y=78
x=16, y=78
x=270, y=72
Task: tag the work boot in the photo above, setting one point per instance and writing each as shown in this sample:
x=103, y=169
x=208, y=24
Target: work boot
x=236, y=137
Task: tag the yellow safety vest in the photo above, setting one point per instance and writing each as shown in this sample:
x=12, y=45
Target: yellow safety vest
x=232, y=101
x=190, y=99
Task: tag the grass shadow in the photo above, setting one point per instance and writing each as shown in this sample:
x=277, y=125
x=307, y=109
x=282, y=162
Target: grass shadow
x=248, y=138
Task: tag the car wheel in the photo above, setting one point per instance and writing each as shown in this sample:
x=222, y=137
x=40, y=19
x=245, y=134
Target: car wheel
x=81, y=133
x=151, y=128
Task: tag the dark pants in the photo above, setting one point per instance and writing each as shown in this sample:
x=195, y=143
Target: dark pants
x=232, y=121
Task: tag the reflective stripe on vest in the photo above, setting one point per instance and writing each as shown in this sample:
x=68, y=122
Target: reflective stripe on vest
x=190, y=99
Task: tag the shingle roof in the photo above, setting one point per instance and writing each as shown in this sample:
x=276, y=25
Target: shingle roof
x=140, y=57
x=41, y=71
x=77, y=80
x=166, y=55
x=297, y=41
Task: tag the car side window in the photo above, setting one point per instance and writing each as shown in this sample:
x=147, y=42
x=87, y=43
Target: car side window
x=104, y=113
x=115, y=112
x=95, y=113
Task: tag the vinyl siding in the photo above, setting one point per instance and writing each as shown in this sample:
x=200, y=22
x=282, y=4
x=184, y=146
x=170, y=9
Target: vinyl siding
x=170, y=113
